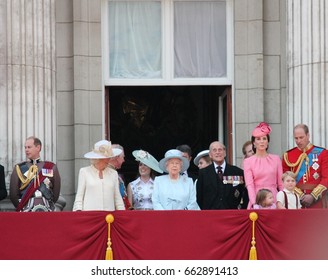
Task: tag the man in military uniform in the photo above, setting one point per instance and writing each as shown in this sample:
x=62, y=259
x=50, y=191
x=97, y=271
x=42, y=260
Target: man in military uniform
x=310, y=164
x=34, y=184
x=116, y=164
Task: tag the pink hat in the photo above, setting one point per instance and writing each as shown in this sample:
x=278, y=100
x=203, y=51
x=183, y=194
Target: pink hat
x=261, y=130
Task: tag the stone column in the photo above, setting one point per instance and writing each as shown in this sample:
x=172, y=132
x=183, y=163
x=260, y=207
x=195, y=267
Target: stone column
x=307, y=41
x=27, y=79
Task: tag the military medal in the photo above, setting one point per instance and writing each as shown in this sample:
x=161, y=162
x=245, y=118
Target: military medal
x=47, y=172
x=237, y=193
x=316, y=175
x=234, y=180
x=315, y=164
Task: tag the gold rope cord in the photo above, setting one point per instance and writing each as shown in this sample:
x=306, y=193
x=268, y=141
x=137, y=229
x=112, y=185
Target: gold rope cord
x=298, y=163
x=109, y=251
x=32, y=171
x=252, y=253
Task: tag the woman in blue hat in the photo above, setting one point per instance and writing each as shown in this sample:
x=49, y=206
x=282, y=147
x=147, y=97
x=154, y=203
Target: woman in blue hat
x=174, y=191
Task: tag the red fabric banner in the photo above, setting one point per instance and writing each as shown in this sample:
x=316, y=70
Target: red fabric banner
x=160, y=235
x=53, y=235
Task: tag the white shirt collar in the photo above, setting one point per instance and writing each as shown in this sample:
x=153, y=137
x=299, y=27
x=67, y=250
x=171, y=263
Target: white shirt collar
x=223, y=166
x=287, y=191
x=138, y=181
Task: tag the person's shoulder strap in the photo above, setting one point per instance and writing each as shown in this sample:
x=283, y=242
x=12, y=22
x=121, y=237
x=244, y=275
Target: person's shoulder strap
x=296, y=197
x=286, y=200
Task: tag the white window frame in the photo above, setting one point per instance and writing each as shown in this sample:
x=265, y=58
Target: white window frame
x=167, y=55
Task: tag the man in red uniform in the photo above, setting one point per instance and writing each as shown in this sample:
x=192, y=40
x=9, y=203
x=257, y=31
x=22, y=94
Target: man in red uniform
x=116, y=164
x=310, y=164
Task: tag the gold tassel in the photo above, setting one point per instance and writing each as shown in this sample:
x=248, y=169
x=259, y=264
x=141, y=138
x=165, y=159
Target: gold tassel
x=252, y=253
x=109, y=251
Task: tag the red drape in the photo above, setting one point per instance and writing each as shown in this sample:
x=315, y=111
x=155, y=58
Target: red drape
x=224, y=234
x=53, y=236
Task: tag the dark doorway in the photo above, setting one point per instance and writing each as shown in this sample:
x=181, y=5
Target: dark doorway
x=159, y=118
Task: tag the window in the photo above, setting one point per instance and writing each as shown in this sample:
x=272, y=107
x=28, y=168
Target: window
x=135, y=39
x=167, y=42
x=200, y=39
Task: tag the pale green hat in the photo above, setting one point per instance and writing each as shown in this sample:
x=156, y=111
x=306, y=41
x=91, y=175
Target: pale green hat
x=147, y=159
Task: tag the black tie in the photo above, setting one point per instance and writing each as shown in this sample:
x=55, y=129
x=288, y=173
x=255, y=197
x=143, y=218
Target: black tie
x=220, y=174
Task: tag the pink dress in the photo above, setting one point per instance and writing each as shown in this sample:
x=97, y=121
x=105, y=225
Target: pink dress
x=257, y=206
x=262, y=173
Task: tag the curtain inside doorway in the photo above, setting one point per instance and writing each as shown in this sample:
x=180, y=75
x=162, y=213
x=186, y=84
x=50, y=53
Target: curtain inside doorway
x=190, y=33
x=200, y=39
x=135, y=39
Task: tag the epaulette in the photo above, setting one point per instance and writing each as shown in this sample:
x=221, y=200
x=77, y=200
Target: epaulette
x=319, y=147
x=21, y=168
x=22, y=163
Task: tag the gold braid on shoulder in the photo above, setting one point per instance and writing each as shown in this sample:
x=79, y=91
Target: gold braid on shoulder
x=32, y=171
x=300, y=159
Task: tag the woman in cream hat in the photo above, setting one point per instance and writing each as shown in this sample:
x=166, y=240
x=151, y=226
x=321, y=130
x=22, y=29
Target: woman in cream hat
x=98, y=184
x=262, y=170
x=140, y=191
x=173, y=191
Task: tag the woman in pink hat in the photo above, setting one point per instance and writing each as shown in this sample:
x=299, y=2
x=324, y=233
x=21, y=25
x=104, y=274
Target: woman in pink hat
x=262, y=170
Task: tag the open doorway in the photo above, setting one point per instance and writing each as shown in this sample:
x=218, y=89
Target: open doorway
x=158, y=118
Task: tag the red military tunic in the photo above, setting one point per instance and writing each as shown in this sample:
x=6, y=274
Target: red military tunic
x=311, y=169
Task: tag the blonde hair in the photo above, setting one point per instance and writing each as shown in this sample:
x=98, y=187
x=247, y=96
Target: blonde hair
x=261, y=196
x=288, y=173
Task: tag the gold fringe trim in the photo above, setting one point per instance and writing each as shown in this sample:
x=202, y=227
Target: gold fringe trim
x=109, y=251
x=317, y=191
x=299, y=192
x=252, y=253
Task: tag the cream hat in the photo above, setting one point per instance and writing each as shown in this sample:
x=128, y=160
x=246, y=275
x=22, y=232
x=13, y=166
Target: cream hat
x=200, y=155
x=147, y=159
x=103, y=149
x=174, y=153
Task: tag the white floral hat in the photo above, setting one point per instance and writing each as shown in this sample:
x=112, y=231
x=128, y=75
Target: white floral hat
x=174, y=153
x=103, y=149
x=200, y=155
x=147, y=159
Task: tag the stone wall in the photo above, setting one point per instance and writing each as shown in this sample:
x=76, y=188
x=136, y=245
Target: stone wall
x=260, y=70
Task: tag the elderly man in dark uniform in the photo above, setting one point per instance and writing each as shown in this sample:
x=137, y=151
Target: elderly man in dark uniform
x=220, y=185
x=34, y=184
x=310, y=164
